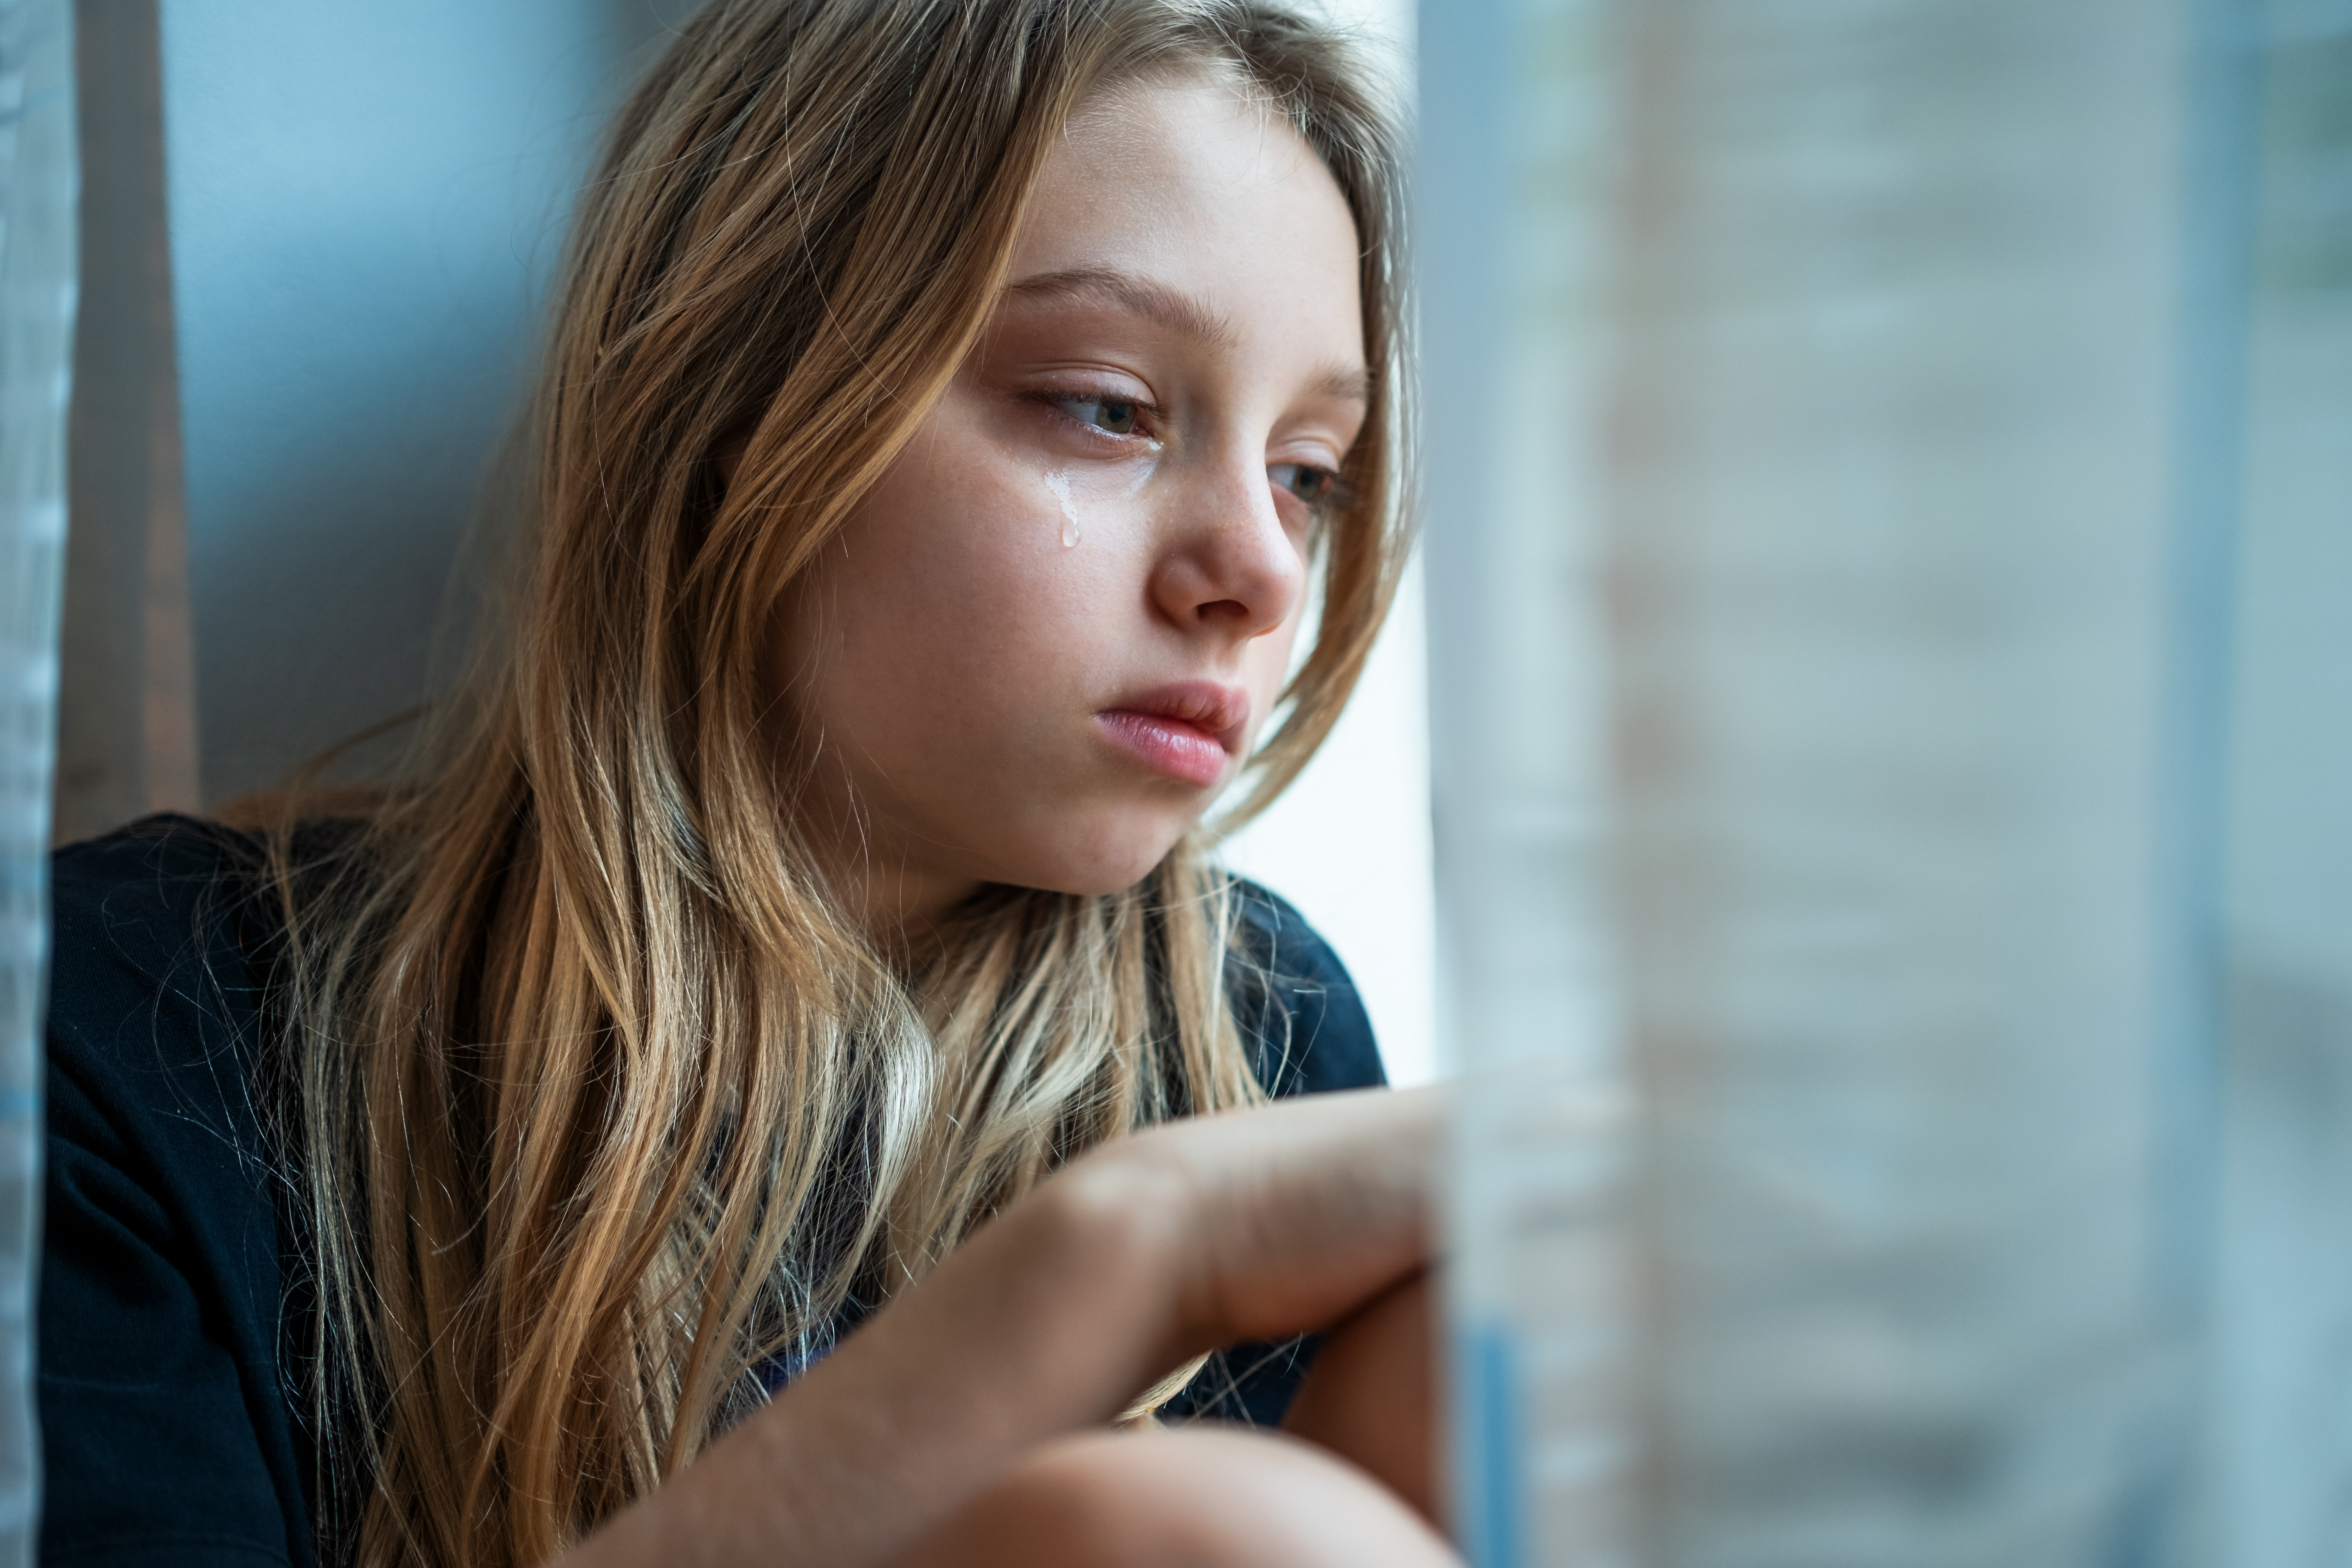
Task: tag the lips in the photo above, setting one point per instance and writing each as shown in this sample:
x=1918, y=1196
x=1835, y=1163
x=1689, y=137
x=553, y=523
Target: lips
x=1191, y=730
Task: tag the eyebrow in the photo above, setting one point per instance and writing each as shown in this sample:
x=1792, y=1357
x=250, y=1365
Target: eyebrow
x=1346, y=383
x=1173, y=310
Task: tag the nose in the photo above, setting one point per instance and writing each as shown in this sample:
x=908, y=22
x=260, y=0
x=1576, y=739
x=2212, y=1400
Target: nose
x=1226, y=563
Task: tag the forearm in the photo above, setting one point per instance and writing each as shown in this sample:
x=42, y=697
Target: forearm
x=1047, y=1322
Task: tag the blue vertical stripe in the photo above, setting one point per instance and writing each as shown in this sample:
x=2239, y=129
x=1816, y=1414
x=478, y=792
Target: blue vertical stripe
x=1490, y=1476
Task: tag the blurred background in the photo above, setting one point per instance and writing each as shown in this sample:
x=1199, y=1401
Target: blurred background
x=1903, y=994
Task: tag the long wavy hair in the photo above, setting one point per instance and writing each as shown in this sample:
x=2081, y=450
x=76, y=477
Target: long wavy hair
x=602, y=1113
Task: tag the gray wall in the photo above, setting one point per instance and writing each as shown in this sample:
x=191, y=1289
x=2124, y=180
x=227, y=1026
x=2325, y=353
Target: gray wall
x=126, y=709
x=365, y=203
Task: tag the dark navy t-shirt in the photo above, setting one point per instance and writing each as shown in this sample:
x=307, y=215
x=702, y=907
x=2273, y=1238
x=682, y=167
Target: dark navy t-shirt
x=172, y=1428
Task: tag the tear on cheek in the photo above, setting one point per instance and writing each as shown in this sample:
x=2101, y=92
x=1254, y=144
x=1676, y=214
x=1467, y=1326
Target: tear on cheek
x=1058, y=483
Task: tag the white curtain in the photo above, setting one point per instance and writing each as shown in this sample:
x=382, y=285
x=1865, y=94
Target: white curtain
x=37, y=190
x=1837, y=454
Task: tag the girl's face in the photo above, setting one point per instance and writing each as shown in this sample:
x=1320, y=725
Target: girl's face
x=1049, y=636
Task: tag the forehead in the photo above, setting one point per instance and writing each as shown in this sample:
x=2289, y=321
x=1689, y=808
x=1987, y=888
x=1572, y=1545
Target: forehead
x=1190, y=186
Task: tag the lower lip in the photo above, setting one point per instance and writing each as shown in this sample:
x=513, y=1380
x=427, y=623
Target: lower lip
x=1167, y=746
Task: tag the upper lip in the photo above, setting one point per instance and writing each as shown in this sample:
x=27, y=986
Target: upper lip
x=1221, y=711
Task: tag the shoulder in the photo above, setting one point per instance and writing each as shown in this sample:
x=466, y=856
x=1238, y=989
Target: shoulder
x=154, y=903
x=1294, y=1001
x=170, y=925
x=155, y=1024
x=156, y=959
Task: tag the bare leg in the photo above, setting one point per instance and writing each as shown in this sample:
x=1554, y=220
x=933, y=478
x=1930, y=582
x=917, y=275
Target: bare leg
x=1371, y=1397
x=1200, y=1496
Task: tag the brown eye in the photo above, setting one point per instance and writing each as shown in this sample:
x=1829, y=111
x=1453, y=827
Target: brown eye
x=1308, y=483
x=1109, y=414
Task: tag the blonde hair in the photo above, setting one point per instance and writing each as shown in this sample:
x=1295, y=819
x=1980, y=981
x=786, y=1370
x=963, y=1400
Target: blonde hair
x=602, y=1105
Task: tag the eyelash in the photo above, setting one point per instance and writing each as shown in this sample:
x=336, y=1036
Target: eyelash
x=1140, y=412
x=1327, y=493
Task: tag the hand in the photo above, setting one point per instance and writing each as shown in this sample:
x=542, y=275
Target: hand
x=1281, y=1219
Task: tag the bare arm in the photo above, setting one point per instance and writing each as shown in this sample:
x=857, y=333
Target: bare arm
x=1050, y=1319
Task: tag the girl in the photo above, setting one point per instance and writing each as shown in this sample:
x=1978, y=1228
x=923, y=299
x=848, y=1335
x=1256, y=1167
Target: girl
x=801, y=914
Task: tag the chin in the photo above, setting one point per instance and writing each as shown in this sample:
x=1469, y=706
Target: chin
x=1099, y=863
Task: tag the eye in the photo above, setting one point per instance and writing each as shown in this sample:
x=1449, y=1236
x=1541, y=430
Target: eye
x=1310, y=484
x=1111, y=415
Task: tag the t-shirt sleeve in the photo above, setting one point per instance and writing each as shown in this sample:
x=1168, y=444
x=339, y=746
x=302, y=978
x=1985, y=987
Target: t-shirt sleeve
x=1301, y=1013
x=165, y=1433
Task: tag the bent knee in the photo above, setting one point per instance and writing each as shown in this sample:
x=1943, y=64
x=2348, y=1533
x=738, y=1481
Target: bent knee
x=1195, y=1497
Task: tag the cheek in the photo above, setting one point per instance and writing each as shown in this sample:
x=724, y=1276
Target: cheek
x=948, y=609
x=1265, y=669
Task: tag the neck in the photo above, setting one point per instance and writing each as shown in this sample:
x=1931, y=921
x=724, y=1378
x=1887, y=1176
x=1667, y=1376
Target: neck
x=897, y=906
x=894, y=898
